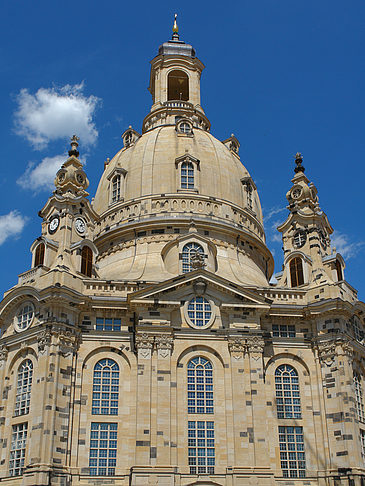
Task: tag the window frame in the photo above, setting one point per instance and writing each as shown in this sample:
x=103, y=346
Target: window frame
x=287, y=392
x=206, y=301
x=21, y=311
x=121, y=174
x=201, y=446
x=186, y=260
x=23, y=392
x=87, y=261
x=195, y=164
x=39, y=254
x=103, y=453
x=292, y=454
x=296, y=271
x=200, y=386
x=20, y=431
x=105, y=388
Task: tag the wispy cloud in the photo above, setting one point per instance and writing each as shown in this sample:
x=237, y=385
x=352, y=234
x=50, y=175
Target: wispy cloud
x=275, y=210
x=38, y=177
x=55, y=113
x=11, y=225
x=343, y=245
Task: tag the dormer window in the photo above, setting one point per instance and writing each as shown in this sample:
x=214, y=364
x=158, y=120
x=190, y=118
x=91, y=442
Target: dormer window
x=130, y=136
x=248, y=187
x=116, y=188
x=117, y=185
x=187, y=173
x=184, y=126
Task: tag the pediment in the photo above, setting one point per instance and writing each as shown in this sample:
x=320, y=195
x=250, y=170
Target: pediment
x=172, y=291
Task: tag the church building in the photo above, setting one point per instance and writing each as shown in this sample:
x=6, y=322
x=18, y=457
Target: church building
x=145, y=345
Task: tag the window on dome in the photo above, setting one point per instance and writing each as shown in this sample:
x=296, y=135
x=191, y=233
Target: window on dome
x=185, y=127
x=200, y=386
x=199, y=311
x=39, y=255
x=287, y=392
x=187, y=175
x=23, y=388
x=177, y=86
x=105, y=388
x=86, y=261
x=116, y=188
x=296, y=272
x=188, y=251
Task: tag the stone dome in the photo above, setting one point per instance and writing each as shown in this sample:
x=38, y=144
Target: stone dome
x=150, y=166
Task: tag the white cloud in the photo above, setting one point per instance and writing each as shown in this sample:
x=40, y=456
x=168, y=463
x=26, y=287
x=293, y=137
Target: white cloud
x=11, y=224
x=56, y=113
x=272, y=212
x=342, y=244
x=40, y=177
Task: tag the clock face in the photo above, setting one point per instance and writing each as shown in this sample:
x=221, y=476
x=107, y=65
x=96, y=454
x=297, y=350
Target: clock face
x=80, y=225
x=53, y=225
x=300, y=238
x=296, y=192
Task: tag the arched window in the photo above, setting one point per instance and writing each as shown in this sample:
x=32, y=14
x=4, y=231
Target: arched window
x=177, y=86
x=187, y=252
x=23, y=387
x=86, y=261
x=359, y=398
x=296, y=272
x=200, y=386
x=339, y=271
x=287, y=392
x=116, y=188
x=39, y=255
x=105, y=388
x=187, y=175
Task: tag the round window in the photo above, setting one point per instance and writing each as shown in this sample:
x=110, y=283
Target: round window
x=24, y=317
x=199, y=312
x=300, y=238
x=185, y=127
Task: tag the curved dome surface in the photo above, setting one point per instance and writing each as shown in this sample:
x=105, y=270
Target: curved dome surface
x=150, y=167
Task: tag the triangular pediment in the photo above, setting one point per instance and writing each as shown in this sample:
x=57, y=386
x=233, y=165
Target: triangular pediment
x=172, y=290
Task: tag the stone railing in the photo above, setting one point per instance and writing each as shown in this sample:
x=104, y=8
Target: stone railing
x=101, y=287
x=284, y=295
x=178, y=104
x=31, y=275
x=176, y=206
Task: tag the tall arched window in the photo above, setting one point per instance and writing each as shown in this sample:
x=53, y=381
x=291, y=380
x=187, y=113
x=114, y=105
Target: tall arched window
x=23, y=387
x=187, y=175
x=187, y=252
x=105, y=388
x=359, y=397
x=339, y=271
x=200, y=386
x=86, y=261
x=177, y=86
x=287, y=392
x=116, y=188
x=296, y=272
x=39, y=255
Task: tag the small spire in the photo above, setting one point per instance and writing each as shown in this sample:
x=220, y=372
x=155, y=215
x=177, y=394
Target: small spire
x=298, y=160
x=175, y=29
x=74, y=145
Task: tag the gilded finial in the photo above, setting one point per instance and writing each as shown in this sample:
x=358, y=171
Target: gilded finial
x=298, y=161
x=175, y=29
x=74, y=145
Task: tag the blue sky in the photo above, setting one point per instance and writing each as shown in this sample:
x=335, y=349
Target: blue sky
x=283, y=76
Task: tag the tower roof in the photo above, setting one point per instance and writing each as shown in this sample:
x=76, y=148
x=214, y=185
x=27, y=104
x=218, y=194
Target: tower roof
x=176, y=47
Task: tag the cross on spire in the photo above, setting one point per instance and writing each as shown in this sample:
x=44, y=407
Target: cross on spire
x=175, y=29
x=74, y=145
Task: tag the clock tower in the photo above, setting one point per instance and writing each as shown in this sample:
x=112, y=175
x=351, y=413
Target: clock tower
x=68, y=218
x=308, y=255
